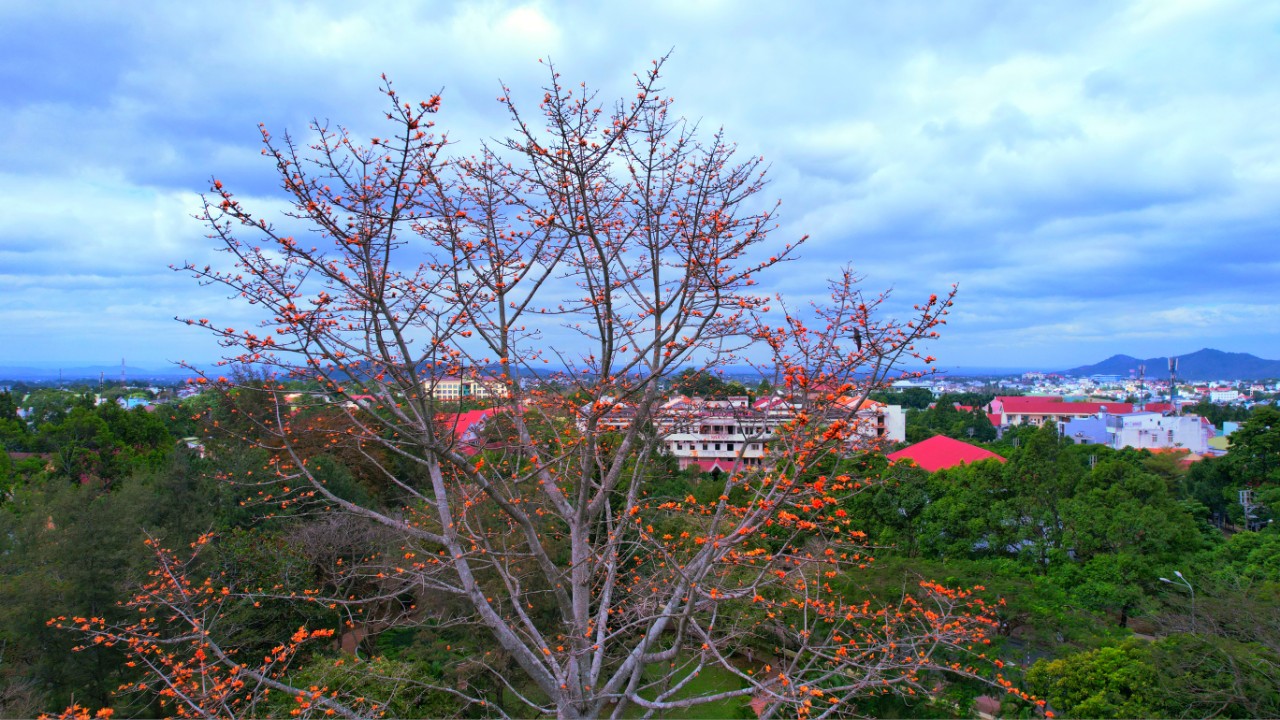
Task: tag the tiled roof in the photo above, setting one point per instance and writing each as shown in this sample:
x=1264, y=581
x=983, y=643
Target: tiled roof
x=770, y=403
x=940, y=452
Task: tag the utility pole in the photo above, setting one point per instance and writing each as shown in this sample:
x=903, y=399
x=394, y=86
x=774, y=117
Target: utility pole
x=1142, y=391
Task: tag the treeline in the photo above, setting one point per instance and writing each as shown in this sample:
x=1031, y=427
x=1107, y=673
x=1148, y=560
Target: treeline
x=81, y=493
x=85, y=489
x=1087, y=546
x=1071, y=541
x=956, y=415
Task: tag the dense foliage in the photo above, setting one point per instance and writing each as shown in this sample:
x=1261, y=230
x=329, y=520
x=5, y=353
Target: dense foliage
x=1072, y=540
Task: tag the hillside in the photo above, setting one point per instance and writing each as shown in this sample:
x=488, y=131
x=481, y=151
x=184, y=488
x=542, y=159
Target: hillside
x=1204, y=364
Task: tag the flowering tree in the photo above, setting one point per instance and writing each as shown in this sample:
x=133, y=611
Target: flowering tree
x=616, y=247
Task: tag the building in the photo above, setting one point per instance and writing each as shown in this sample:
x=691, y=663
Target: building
x=716, y=434
x=466, y=429
x=1039, y=409
x=876, y=423
x=1153, y=430
x=734, y=432
x=615, y=416
x=941, y=452
x=1224, y=395
x=1090, y=430
x=1145, y=429
x=466, y=387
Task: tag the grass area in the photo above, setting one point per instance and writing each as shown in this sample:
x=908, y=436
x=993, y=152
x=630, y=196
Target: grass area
x=711, y=680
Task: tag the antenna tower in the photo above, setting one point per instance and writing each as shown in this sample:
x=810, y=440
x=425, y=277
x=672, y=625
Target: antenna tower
x=1142, y=388
x=1173, y=385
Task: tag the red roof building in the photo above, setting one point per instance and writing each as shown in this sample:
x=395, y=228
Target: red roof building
x=1039, y=409
x=467, y=427
x=941, y=452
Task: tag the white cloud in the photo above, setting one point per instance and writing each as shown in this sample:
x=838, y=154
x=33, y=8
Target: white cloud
x=1104, y=156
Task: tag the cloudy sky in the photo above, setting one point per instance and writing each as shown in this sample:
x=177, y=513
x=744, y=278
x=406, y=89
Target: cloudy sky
x=1098, y=177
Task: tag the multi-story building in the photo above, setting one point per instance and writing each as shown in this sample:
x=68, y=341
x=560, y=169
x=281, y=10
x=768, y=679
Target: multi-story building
x=1143, y=430
x=734, y=433
x=1153, y=430
x=466, y=387
x=716, y=434
x=875, y=422
x=1223, y=395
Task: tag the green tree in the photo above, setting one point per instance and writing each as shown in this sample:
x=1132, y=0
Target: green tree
x=6, y=474
x=964, y=516
x=1110, y=682
x=14, y=433
x=1218, y=414
x=1212, y=482
x=915, y=398
x=700, y=383
x=1255, y=448
x=66, y=550
x=1042, y=475
x=1181, y=675
x=1122, y=508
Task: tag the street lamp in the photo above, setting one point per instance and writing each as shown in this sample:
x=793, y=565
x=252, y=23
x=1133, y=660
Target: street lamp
x=1183, y=581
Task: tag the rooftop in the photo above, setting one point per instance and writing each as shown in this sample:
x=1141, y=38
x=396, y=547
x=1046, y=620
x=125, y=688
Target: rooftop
x=941, y=452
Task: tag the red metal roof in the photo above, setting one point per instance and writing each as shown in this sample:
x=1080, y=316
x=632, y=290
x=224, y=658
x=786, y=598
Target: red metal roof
x=940, y=452
x=710, y=464
x=1054, y=405
x=464, y=428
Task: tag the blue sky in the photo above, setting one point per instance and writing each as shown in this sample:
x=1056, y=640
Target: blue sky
x=1098, y=177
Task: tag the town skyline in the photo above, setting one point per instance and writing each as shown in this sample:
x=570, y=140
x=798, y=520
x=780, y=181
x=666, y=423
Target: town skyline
x=1206, y=364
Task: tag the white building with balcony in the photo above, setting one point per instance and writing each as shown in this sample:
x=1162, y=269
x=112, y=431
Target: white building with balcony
x=1153, y=430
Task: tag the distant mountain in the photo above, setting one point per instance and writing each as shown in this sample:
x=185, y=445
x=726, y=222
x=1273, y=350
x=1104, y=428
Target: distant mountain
x=50, y=373
x=1206, y=364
